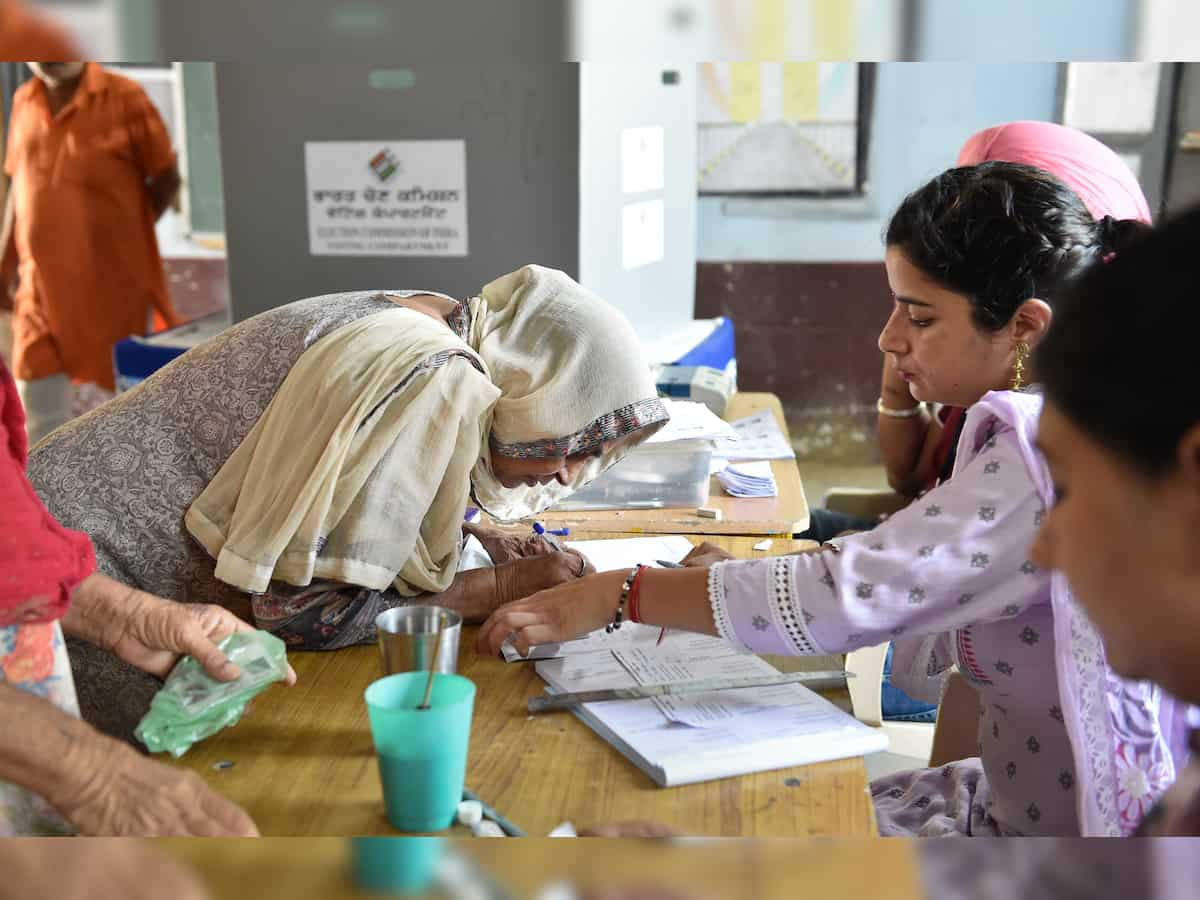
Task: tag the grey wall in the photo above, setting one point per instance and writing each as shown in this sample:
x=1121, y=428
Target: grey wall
x=521, y=127
x=380, y=31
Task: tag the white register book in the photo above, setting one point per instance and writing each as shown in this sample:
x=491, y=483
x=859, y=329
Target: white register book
x=692, y=737
x=702, y=737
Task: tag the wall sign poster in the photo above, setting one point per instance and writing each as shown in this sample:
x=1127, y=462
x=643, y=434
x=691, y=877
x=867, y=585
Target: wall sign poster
x=386, y=198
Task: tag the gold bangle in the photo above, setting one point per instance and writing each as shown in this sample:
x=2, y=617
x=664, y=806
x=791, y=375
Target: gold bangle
x=897, y=413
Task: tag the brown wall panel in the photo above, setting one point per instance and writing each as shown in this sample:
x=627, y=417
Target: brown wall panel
x=807, y=332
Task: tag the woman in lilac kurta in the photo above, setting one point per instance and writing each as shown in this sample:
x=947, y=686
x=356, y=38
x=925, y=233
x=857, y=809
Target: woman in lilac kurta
x=955, y=567
x=975, y=259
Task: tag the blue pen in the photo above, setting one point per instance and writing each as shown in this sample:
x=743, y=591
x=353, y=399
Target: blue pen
x=548, y=536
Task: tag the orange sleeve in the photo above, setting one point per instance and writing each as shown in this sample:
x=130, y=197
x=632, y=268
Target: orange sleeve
x=148, y=134
x=12, y=151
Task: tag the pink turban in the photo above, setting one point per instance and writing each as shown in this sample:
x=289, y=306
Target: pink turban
x=1101, y=178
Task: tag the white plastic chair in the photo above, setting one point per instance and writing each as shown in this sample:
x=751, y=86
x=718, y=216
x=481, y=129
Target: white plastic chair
x=909, y=743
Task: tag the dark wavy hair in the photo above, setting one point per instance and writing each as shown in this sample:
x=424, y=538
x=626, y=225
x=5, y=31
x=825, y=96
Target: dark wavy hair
x=1000, y=233
x=1120, y=358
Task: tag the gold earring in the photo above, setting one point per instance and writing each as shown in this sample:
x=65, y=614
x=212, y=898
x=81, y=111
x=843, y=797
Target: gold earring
x=1018, y=379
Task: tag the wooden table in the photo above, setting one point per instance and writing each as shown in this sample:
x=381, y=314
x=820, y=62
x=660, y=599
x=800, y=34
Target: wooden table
x=783, y=515
x=281, y=869
x=304, y=762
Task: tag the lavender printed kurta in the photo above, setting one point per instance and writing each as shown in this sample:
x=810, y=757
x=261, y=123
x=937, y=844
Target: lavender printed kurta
x=1065, y=747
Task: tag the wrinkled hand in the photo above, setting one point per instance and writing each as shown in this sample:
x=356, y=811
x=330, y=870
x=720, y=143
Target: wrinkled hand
x=109, y=789
x=631, y=829
x=524, y=577
x=704, y=555
x=560, y=613
x=74, y=869
x=506, y=546
x=152, y=633
x=159, y=632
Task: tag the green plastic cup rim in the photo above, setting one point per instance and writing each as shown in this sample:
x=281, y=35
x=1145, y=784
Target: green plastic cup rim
x=382, y=684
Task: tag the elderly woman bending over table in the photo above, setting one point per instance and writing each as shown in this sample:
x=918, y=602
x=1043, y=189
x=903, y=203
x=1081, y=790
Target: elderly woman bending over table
x=311, y=466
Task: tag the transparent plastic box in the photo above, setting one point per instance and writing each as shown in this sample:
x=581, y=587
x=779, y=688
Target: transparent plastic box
x=652, y=476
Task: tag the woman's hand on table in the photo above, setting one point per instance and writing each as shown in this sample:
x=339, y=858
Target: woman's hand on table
x=152, y=633
x=93, y=870
x=704, y=555
x=107, y=788
x=560, y=613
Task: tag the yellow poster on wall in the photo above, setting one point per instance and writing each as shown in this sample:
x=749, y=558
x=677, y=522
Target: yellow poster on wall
x=770, y=30
x=745, y=92
x=833, y=29
x=801, y=91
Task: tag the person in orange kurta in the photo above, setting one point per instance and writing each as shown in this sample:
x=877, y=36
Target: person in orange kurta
x=92, y=169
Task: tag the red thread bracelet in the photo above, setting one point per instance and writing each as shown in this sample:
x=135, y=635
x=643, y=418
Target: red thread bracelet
x=635, y=613
x=634, y=594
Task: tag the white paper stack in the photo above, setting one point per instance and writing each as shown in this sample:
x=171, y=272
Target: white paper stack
x=747, y=479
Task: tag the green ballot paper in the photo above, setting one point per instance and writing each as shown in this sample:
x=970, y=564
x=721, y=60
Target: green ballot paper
x=191, y=705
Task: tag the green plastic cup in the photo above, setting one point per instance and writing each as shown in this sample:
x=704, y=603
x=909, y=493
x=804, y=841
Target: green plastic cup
x=422, y=752
x=394, y=864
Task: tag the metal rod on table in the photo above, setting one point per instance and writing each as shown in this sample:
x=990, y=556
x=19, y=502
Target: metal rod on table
x=829, y=678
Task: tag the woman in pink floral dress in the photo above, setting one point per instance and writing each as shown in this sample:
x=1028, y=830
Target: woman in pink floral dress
x=57, y=774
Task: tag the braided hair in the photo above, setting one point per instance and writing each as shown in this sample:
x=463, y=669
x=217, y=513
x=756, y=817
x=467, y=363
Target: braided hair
x=1000, y=233
x=1120, y=360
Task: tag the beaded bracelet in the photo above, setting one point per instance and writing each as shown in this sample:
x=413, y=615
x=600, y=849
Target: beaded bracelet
x=625, y=589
